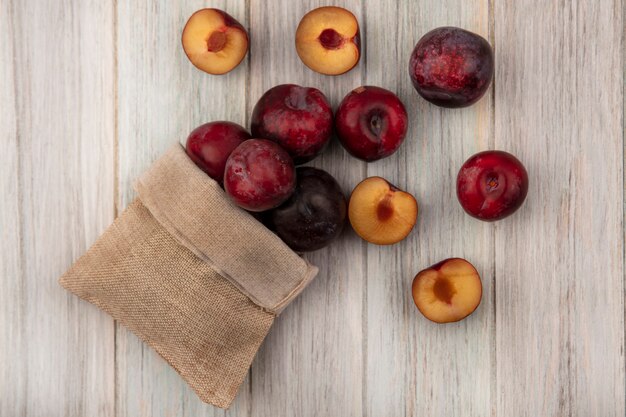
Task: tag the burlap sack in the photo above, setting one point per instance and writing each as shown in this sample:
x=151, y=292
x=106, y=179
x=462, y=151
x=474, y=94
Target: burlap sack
x=195, y=277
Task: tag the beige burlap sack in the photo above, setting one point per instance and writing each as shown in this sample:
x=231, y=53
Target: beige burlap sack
x=195, y=277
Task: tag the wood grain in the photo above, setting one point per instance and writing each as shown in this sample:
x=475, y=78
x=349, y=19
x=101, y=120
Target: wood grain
x=162, y=97
x=560, y=305
x=91, y=93
x=415, y=367
x=311, y=362
x=56, y=77
x=12, y=378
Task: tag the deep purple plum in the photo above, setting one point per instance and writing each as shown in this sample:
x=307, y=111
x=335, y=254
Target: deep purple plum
x=315, y=213
x=451, y=67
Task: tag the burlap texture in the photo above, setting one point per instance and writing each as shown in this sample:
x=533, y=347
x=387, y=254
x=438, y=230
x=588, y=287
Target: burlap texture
x=196, y=278
x=195, y=210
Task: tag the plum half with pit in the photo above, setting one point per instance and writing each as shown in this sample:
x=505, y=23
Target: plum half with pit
x=214, y=41
x=380, y=212
x=315, y=213
x=451, y=67
x=448, y=291
x=259, y=175
x=328, y=40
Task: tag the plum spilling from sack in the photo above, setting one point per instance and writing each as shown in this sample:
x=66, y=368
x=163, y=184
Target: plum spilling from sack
x=291, y=125
x=259, y=175
x=210, y=145
x=315, y=213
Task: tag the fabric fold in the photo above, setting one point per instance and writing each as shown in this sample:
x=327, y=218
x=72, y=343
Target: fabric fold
x=195, y=277
x=197, y=212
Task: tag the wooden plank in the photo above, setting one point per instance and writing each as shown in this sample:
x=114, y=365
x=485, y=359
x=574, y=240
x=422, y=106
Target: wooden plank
x=57, y=119
x=162, y=97
x=12, y=377
x=560, y=269
x=352, y=344
x=416, y=367
x=311, y=362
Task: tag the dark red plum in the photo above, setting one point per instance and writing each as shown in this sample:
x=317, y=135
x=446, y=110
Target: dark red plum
x=451, y=67
x=299, y=119
x=259, y=175
x=210, y=144
x=371, y=123
x=315, y=213
x=492, y=185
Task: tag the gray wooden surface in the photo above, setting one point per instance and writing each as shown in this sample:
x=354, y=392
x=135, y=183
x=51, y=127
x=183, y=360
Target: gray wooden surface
x=91, y=92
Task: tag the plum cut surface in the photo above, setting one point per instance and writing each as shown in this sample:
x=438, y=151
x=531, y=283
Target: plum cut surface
x=448, y=291
x=214, y=41
x=380, y=213
x=328, y=40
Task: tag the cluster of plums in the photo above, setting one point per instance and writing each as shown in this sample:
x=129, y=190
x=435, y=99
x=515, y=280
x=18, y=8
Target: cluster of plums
x=291, y=125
